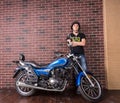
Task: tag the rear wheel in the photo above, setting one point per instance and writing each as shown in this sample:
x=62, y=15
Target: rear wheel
x=89, y=92
x=24, y=91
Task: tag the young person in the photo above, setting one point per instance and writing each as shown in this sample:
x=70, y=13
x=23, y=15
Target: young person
x=77, y=41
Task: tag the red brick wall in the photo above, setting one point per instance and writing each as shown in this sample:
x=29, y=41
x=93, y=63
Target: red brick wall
x=37, y=28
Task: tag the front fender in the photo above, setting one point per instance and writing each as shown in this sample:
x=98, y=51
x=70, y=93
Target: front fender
x=79, y=76
x=16, y=72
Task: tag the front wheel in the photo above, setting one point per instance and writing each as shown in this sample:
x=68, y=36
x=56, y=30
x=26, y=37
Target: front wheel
x=89, y=92
x=24, y=91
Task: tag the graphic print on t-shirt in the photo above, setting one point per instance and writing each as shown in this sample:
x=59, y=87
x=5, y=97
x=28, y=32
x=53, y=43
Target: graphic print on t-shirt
x=76, y=39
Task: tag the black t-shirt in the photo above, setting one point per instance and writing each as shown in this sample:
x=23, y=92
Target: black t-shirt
x=77, y=50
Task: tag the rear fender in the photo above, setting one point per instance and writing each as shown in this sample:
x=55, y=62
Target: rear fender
x=79, y=76
x=16, y=72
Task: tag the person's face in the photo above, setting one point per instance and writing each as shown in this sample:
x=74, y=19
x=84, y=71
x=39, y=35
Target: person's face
x=75, y=28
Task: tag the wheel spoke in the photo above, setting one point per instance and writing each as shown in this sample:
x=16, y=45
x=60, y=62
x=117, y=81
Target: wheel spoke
x=89, y=92
x=95, y=93
x=86, y=88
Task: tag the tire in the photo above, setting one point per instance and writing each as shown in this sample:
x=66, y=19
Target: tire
x=90, y=93
x=23, y=91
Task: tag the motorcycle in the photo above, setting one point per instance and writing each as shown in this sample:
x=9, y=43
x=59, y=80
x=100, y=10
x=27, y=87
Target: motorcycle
x=55, y=76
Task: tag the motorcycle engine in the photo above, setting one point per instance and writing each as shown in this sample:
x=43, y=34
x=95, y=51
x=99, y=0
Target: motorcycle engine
x=56, y=79
x=53, y=83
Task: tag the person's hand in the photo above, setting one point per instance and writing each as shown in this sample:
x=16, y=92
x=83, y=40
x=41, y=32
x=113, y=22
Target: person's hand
x=69, y=42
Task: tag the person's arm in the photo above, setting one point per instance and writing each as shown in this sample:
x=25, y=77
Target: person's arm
x=68, y=39
x=81, y=43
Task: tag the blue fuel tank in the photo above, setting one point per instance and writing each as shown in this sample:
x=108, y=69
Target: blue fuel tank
x=61, y=62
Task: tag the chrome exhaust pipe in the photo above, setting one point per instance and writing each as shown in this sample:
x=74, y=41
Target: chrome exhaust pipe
x=18, y=83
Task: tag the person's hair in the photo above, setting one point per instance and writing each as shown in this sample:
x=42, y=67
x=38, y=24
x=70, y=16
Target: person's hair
x=75, y=22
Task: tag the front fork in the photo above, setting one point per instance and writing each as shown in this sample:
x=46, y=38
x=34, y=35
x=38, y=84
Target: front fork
x=80, y=75
x=83, y=73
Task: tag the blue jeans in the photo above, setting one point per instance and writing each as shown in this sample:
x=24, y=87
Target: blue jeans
x=83, y=62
